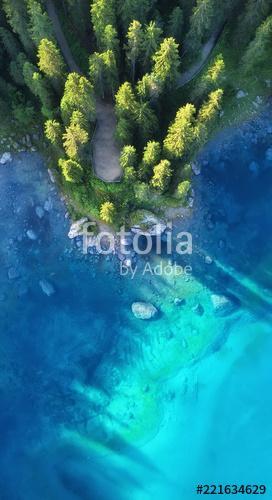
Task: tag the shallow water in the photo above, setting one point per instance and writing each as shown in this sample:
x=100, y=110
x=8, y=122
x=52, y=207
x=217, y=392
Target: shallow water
x=97, y=404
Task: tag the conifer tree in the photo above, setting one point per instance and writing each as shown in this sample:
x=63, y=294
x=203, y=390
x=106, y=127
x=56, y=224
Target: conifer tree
x=40, y=25
x=128, y=157
x=258, y=52
x=10, y=43
x=16, y=12
x=53, y=132
x=78, y=96
x=135, y=10
x=50, y=61
x=175, y=24
x=181, y=133
x=150, y=44
x=74, y=138
x=167, y=63
x=102, y=14
x=162, y=175
x=107, y=212
x=39, y=87
x=72, y=171
x=151, y=157
x=134, y=46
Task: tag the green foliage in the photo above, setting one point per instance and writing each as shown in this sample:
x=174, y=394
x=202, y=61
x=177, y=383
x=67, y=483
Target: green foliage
x=16, y=68
x=150, y=43
x=148, y=88
x=128, y=157
x=125, y=100
x=25, y=115
x=131, y=10
x=167, y=63
x=17, y=17
x=201, y=23
x=74, y=138
x=110, y=40
x=78, y=96
x=53, y=132
x=40, y=26
x=107, y=212
x=183, y=190
x=124, y=131
x=212, y=78
x=259, y=51
x=209, y=109
x=103, y=15
x=253, y=15
x=104, y=72
x=175, y=24
x=151, y=157
x=10, y=43
x=146, y=120
x=181, y=133
x=162, y=175
x=39, y=87
x=134, y=46
x=71, y=170
x=50, y=60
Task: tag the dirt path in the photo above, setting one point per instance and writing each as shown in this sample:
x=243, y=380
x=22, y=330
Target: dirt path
x=105, y=150
x=195, y=69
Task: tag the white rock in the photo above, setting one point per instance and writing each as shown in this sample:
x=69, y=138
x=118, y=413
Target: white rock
x=47, y=287
x=31, y=234
x=222, y=305
x=144, y=310
x=76, y=228
x=5, y=158
x=48, y=205
x=51, y=175
x=208, y=260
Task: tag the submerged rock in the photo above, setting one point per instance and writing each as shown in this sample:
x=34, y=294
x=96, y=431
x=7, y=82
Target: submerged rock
x=198, y=309
x=196, y=168
x=31, y=235
x=241, y=94
x=76, y=228
x=5, y=158
x=13, y=273
x=254, y=168
x=268, y=154
x=47, y=288
x=222, y=305
x=39, y=212
x=144, y=310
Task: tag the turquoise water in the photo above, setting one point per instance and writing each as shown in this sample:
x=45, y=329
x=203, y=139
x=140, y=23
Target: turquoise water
x=98, y=405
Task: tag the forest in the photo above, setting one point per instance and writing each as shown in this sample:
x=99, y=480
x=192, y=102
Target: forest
x=134, y=55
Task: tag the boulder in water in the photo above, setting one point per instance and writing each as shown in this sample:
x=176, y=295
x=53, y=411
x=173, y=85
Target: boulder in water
x=222, y=304
x=31, y=234
x=268, y=154
x=76, y=228
x=39, y=212
x=47, y=288
x=13, y=273
x=144, y=310
x=5, y=158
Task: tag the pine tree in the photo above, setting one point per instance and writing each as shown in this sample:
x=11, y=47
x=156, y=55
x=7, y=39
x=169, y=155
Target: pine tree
x=126, y=102
x=50, y=60
x=128, y=157
x=102, y=14
x=162, y=175
x=181, y=133
x=96, y=67
x=148, y=88
x=213, y=78
x=167, y=63
x=110, y=40
x=53, y=132
x=17, y=16
x=16, y=69
x=175, y=24
x=256, y=11
x=258, y=53
x=184, y=190
x=39, y=87
x=110, y=72
x=10, y=43
x=134, y=46
x=124, y=131
x=150, y=44
x=107, y=212
x=209, y=109
x=134, y=10
x=151, y=157
x=40, y=25
x=74, y=138
x=202, y=22
x=78, y=96
x=146, y=120
x=72, y=171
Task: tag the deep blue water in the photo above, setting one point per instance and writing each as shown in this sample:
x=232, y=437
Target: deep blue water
x=98, y=405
